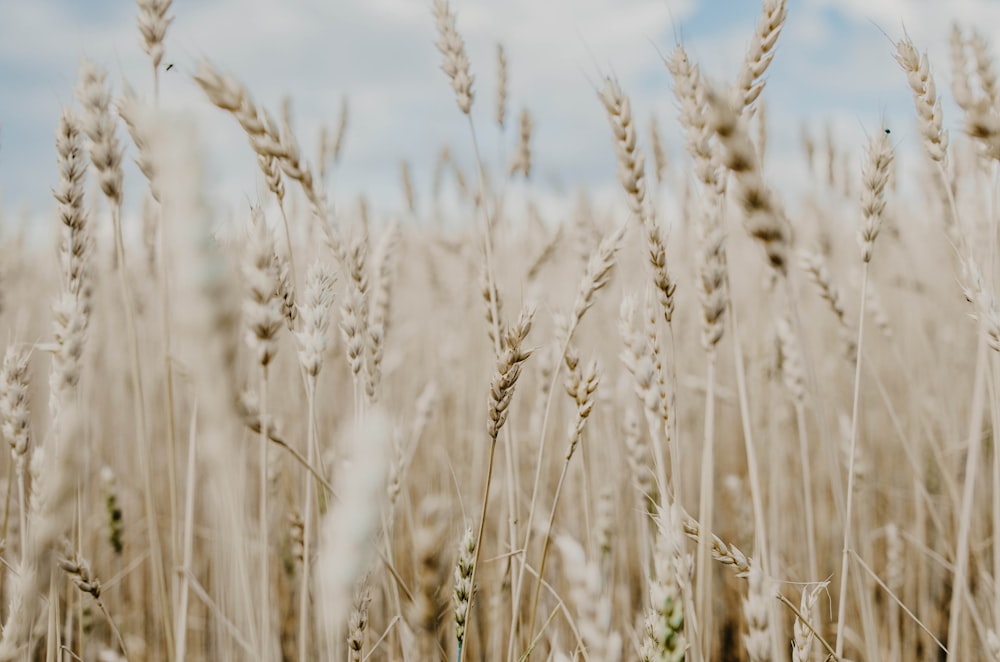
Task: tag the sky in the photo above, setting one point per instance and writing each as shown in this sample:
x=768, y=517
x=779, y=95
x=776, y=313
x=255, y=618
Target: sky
x=834, y=65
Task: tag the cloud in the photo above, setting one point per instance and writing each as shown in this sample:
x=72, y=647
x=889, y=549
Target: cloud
x=380, y=54
x=833, y=62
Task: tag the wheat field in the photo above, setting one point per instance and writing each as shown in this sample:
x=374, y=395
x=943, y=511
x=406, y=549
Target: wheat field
x=697, y=427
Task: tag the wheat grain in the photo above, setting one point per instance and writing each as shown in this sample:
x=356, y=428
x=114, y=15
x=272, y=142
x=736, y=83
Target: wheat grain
x=456, y=62
x=925, y=98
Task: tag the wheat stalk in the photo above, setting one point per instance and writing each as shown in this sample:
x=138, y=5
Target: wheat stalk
x=456, y=62
x=760, y=53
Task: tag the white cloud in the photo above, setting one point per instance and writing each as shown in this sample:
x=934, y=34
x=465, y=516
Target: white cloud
x=832, y=62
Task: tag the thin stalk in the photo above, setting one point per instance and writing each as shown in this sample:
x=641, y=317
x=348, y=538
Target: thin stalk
x=22, y=497
x=756, y=493
x=479, y=538
x=995, y=406
x=114, y=628
x=974, y=442
x=307, y=520
x=6, y=521
x=288, y=240
x=265, y=606
x=545, y=550
x=188, y=545
x=995, y=412
x=52, y=638
x=703, y=573
x=675, y=454
x=494, y=310
x=168, y=396
x=800, y=421
x=168, y=371
x=515, y=601
x=142, y=439
x=845, y=562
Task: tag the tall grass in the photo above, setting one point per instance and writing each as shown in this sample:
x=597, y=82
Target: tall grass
x=638, y=434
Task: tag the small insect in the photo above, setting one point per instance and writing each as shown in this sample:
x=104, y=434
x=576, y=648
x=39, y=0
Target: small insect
x=887, y=132
x=171, y=66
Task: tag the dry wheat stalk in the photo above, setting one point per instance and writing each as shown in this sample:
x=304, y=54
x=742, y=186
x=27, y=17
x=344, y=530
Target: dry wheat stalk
x=755, y=609
x=580, y=386
x=792, y=370
x=153, y=23
x=808, y=148
x=760, y=53
x=874, y=177
x=53, y=487
x=456, y=62
x=596, y=277
x=803, y=631
x=78, y=568
x=664, y=639
x=312, y=335
x=961, y=88
x=983, y=302
x=357, y=623
x=659, y=151
x=76, y=242
x=99, y=125
x=764, y=218
x=521, y=162
x=593, y=606
x=729, y=555
x=286, y=290
x=761, y=125
x=337, y=148
x=274, y=147
x=354, y=311
x=262, y=304
x=378, y=320
x=984, y=68
x=293, y=166
x=637, y=358
x=262, y=310
x=689, y=88
x=925, y=98
x=502, y=385
x=508, y=371
x=605, y=526
x=15, y=425
x=348, y=529
x=230, y=95
x=429, y=599
x=653, y=336
x=492, y=301
x=639, y=460
x=408, y=190
x=69, y=322
x=464, y=564
x=814, y=264
x=501, y=114
x=631, y=161
x=130, y=110
x=712, y=290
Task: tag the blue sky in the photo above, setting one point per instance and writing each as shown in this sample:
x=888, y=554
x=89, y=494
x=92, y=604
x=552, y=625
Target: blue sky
x=834, y=64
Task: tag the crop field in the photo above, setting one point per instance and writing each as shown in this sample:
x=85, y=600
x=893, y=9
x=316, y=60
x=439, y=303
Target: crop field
x=722, y=417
